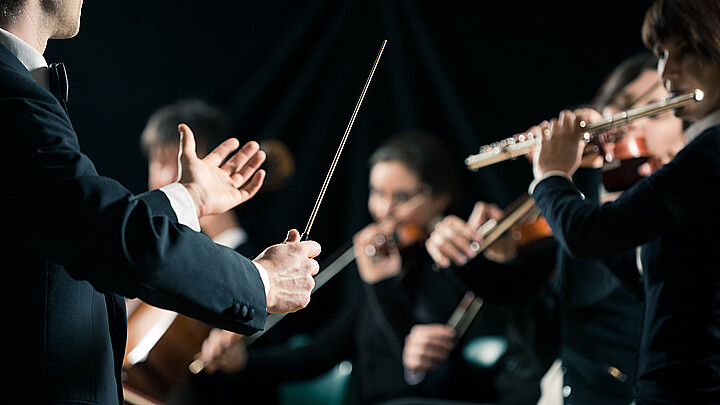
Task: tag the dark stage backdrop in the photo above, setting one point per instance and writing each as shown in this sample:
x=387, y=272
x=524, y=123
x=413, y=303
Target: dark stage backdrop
x=472, y=72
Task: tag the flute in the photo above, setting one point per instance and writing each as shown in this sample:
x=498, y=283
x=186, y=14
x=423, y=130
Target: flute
x=523, y=144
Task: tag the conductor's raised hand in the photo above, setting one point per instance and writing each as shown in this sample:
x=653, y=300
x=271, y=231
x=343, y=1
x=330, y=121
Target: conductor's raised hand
x=291, y=266
x=221, y=180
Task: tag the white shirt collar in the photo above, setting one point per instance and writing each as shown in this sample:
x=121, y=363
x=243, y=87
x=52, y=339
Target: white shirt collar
x=698, y=127
x=33, y=60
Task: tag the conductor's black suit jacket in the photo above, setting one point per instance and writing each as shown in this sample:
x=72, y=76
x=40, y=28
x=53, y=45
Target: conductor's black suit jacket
x=73, y=242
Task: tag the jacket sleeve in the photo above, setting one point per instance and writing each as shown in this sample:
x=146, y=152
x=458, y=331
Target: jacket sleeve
x=584, y=282
x=61, y=210
x=681, y=194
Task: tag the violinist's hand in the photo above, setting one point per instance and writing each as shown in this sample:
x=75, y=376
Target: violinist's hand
x=504, y=248
x=373, y=265
x=453, y=239
x=216, y=183
x=290, y=267
x=223, y=350
x=427, y=346
x=560, y=151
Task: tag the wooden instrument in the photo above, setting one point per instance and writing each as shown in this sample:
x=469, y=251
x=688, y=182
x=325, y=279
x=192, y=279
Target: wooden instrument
x=160, y=345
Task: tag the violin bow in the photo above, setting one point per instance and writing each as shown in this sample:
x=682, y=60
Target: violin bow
x=322, y=277
x=492, y=229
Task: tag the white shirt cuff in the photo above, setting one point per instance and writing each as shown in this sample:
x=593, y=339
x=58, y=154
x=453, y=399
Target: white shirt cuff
x=264, y=277
x=183, y=205
x=544, y=176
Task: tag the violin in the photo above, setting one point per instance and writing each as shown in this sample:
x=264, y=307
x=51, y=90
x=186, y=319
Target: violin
x=623, y=158
x=398, y=233
x=402, y=237
x=533, y=229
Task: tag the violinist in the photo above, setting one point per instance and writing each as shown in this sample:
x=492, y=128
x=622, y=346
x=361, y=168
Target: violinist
x=511, y=274
x=666, y=215
x=413, y=181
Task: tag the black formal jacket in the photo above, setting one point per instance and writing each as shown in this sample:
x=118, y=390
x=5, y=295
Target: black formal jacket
x=74, y=241
x=673, y=215
x=601, y=319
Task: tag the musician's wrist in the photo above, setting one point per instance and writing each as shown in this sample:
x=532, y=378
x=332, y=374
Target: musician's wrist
x=546, y=174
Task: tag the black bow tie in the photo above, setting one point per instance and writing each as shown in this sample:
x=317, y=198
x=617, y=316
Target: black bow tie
x=58, y=82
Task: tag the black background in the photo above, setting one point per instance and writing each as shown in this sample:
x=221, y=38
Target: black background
x=472, y=72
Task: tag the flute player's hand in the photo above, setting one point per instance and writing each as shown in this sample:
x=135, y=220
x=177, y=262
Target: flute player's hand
x=561, y=150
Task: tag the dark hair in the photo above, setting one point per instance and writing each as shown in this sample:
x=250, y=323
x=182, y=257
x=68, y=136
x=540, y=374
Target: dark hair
x=696, y=23
x=10, y=9
x=425, y=155
x=627, y=71
x=209, y=124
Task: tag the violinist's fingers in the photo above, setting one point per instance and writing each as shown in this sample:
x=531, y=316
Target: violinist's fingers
x=477, y=215
x=364, y=238
x=645, y=169
x=452, y=226
x=483, y=212
x=459, y=238
x=434, y=252
x=444, y=250
x=452, y=240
